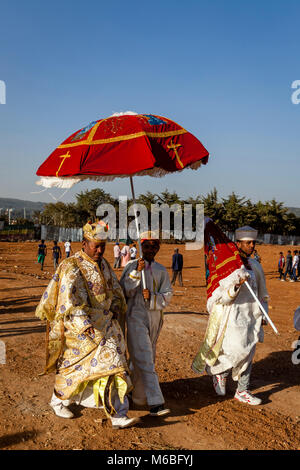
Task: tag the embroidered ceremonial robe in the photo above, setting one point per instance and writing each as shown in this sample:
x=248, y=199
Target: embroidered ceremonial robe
x=144, y=323
x=81, y=295
x=234, y=327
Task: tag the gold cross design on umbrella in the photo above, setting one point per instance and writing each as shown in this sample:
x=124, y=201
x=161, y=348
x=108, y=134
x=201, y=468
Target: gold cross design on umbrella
x=174, y=147
x=67, y=155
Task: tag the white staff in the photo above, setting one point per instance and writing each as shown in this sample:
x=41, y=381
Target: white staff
x=262, y=308
x=245, y=240
x=137, y=229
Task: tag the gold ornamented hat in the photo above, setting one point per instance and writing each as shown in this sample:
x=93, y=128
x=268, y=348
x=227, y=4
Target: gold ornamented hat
x=96, y=231
x=246, y=234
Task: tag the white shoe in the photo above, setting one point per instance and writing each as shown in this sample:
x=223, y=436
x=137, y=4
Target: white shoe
x=62, y=411
x=123, y=422
x=159, y=411
x=247, y=397
x=219, y=383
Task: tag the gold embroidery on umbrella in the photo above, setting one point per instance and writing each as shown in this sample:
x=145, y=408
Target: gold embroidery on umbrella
x=154, y=135
x=67, y=155
x=174, y=147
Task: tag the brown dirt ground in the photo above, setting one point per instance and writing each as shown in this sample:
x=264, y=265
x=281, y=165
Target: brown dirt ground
x=199, y=420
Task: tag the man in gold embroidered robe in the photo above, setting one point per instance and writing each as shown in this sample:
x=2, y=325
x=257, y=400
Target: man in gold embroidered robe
x=85, y=344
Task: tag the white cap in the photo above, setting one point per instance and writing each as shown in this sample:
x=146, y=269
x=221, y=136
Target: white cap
x=245, y=234
x=149, y=235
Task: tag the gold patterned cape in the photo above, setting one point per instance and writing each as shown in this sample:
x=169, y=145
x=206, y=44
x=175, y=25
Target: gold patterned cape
x=81, y=295
x=214, y=335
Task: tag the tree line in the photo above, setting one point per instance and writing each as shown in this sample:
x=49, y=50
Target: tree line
x=229, y=213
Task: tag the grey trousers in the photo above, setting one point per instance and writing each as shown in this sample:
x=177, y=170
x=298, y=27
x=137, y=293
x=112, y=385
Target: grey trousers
x=244, y=380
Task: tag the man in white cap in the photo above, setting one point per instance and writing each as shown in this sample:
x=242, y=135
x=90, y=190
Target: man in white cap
x=85, y=343
x=144, y=319
x=244, y=327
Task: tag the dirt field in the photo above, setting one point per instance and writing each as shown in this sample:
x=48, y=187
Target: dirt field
x=199, y=419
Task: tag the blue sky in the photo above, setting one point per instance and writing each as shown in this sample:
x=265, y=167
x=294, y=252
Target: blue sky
x=222, y=69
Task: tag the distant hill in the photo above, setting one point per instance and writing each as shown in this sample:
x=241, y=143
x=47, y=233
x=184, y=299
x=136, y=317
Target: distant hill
x=19, y=205
x=294, y=210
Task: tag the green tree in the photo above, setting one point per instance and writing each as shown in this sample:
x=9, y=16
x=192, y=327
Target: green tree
x=88, y=201
x=273, y=216
x=165, y=197
x=147, y=199
x=234, y=211
x=212, y=207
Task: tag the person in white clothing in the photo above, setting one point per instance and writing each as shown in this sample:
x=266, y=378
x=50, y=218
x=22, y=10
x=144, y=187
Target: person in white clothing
x=244, y=324
x=132, y=251
x=125, y=255
x=68, y=248
x=144, y=319
x=294, y=266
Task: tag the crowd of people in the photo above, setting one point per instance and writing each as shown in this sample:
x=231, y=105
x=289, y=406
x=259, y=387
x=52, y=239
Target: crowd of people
x=102, y=331
x=56, y=252
x=289, y=266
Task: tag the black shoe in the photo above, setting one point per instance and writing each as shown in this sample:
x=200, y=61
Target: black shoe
x=159, y=411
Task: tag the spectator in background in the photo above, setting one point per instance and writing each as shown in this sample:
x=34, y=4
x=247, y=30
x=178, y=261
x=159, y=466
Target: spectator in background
x=68, y=248
x=281, y=264
x=42, y=252
x=125, y=253
x=177, y=265
x=133, y=251
x=117, y=255
x=289, y=262
x=56, y=253
x=294, y=266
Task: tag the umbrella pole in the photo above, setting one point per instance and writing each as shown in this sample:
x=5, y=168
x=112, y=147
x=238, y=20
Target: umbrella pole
x=137, y=229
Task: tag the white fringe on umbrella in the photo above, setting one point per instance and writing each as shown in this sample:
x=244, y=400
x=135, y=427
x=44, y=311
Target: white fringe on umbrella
x=68, y=182
x=126, y=113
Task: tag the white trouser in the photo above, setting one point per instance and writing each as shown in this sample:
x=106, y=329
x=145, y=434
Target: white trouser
x=143, y=328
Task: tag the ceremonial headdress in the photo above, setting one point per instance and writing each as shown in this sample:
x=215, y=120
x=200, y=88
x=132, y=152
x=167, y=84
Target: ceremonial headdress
x=96, y=231
x=149, y=235
x=246, y=234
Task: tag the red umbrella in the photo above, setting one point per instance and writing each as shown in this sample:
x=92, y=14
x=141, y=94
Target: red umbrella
x=122, y=145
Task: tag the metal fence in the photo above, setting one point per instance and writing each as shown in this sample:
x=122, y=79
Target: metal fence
x=61, y=234
x=273, y=239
